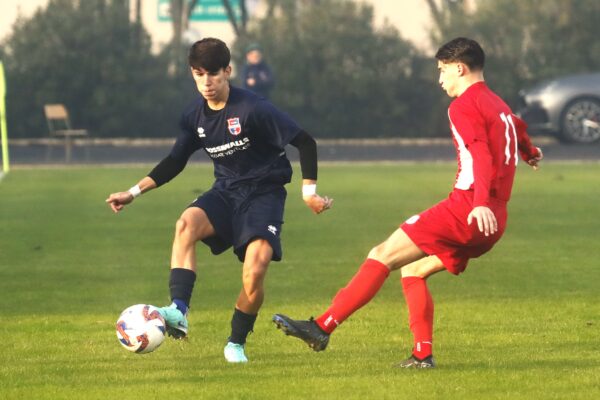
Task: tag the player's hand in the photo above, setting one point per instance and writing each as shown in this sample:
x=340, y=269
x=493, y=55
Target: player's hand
x=317, y=203
x=486, y=220
x=117, y=201
x=535, y=160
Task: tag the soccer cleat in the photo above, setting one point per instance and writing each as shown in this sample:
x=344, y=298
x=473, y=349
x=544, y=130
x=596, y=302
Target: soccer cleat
x=176, y=321
x=234, y=353
x=308, y=331
x=414, y=362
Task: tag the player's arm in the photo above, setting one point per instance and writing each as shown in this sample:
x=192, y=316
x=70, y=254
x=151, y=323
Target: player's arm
x=529, y=153
x=162, y=173
x=307, y=149
x=118, y=200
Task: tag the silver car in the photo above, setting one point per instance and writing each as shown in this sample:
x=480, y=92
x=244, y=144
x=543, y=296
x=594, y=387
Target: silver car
x=568, y=107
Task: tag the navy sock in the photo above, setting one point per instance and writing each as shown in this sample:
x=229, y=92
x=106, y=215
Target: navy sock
x=181, y=285
x=241, y=325
x=181, y=306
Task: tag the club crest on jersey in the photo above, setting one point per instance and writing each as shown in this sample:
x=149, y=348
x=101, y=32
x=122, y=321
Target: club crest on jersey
x=233, y=124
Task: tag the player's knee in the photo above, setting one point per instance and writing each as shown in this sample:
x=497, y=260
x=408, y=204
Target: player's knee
x=252, y=279
x=255, y=266
x=180, y=227
x=423, y=268
x=412, y=270
x=254, y=275
x=184, y=230
x=259, y=252
x=374, y=253
x=380, y=253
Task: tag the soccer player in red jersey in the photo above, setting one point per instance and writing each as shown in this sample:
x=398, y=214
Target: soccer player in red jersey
x=488, y=138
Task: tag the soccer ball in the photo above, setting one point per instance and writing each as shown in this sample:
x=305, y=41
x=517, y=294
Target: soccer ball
x=140, y=328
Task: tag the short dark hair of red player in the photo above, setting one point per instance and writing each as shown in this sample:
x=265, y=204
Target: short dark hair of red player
x=464, y=50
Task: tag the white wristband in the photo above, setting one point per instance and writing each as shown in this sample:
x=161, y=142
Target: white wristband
x=135, y=191
x=309, y=190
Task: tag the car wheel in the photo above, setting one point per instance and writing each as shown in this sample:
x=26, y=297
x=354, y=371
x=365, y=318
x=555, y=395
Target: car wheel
x=580, y=121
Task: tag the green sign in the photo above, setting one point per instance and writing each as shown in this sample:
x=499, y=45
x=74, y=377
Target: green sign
x=205, y=10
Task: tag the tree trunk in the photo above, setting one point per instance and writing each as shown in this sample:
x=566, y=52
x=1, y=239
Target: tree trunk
x=231, y=16
x=435, y=12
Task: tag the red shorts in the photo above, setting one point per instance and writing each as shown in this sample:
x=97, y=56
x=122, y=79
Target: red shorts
x=442, y=230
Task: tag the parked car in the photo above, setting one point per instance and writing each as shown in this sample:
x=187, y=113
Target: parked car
x=568, y=107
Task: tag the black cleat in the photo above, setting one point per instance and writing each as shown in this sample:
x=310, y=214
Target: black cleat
x=176, y=333
x=308, y=331
x=414, y=362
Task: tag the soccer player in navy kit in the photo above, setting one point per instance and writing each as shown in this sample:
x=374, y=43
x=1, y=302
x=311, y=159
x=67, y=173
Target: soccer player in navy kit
x=245, y=137
x=488, y=140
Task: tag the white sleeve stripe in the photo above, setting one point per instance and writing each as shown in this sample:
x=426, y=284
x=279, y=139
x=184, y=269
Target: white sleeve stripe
x=465, y=177
x=512, y=124
x=507, y=137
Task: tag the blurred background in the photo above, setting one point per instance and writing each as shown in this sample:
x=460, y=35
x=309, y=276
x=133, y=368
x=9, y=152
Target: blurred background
x=358, y=75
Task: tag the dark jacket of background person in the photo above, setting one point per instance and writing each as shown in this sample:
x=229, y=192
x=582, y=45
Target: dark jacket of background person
x=263, y=78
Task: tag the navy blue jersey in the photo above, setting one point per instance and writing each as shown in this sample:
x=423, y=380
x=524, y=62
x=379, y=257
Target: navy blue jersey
x=245, y=140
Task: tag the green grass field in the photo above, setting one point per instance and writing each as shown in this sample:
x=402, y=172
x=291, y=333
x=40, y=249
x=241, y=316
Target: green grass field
x=522, y=322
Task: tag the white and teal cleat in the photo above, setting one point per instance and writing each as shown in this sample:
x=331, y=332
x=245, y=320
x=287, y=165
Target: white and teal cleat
x=234, y=353
x=176, y=321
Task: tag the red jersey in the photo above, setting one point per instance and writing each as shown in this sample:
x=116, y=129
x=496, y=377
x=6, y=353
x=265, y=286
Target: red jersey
x=488, y=138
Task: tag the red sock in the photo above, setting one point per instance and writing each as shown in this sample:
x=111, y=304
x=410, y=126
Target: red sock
x=362, y=288
x=420, y=311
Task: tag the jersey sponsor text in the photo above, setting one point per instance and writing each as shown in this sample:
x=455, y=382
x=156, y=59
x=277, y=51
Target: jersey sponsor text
x=228, y=148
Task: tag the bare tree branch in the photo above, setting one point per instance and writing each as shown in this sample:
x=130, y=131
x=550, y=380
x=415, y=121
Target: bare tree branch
x=271, y=4
x=231, y=17
x=244, y=12
x=435, y=12
x=193, y=4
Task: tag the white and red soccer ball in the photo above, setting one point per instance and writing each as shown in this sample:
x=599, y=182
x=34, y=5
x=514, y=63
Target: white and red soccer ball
x=140, y=328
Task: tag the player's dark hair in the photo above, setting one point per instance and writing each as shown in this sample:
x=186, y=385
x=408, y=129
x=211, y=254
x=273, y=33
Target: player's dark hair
x=462, y=50
x=210, y=54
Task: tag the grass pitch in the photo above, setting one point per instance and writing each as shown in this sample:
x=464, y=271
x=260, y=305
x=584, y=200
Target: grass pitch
x=522, y=322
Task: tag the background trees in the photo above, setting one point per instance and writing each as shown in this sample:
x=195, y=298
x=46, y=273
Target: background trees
x=88, y=55
x=526, y=41
x=336, y=73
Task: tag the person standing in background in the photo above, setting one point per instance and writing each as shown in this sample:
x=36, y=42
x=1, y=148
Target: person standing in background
x=257, y=75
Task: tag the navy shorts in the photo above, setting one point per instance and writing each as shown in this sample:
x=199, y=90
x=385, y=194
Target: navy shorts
x=241, y=215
